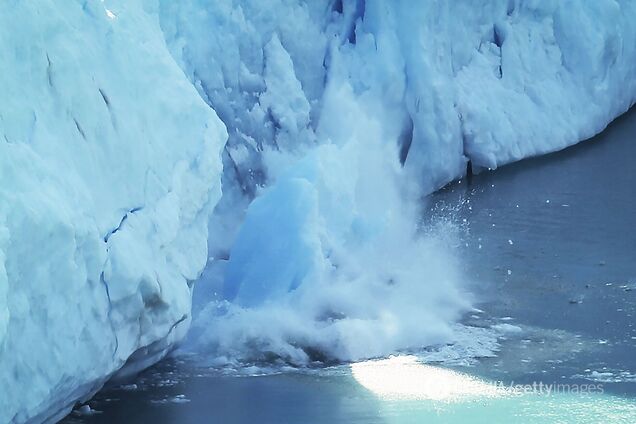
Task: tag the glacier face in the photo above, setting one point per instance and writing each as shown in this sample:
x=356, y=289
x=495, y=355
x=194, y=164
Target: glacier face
x=340, y=115
x=109, y=167
x=549, y=73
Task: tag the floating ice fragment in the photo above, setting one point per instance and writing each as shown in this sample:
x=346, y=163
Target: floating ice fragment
x=180, y=399
x=85, y=410
x=507, y=328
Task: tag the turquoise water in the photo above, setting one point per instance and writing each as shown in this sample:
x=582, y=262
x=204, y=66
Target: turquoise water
x=411, y=392
x=529, y=409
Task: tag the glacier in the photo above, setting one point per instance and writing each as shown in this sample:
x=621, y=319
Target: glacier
x=326, y=123
x=109, y=168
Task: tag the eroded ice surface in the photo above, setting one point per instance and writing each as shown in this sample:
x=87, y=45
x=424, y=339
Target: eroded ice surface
x=109, y=167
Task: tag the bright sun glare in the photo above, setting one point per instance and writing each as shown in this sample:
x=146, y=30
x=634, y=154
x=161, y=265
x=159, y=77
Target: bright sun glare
x=405, y=378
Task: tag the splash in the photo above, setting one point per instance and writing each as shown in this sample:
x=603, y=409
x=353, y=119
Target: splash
x=330, y=263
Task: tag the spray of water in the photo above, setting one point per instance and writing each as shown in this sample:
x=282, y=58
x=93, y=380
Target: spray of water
x=329, y=263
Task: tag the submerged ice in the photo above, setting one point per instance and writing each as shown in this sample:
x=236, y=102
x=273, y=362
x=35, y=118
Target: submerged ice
x=339, y=116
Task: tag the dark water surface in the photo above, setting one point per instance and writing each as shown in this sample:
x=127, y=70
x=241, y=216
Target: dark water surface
x=558, y=254
x=550, y=247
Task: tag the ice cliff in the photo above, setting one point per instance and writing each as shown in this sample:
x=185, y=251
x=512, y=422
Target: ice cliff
x=340, y=116
x=109, y=168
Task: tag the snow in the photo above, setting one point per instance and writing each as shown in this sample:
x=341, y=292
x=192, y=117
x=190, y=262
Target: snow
x=340, y=115
x=109, y=168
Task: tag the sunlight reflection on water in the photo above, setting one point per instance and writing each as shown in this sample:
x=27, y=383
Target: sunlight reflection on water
x=405, y=378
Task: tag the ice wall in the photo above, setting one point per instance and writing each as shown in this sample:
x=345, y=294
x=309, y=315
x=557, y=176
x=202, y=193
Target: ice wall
x=456, y=81
x=109, y=167
x=259, y=64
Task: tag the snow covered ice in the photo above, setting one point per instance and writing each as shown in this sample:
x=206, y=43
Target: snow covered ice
x=335, y=118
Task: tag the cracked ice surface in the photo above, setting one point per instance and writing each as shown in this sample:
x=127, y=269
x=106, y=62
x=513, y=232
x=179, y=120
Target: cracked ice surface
x=109, y=166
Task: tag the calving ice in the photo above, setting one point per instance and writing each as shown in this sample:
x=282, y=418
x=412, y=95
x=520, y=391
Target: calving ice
x=324, y=123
